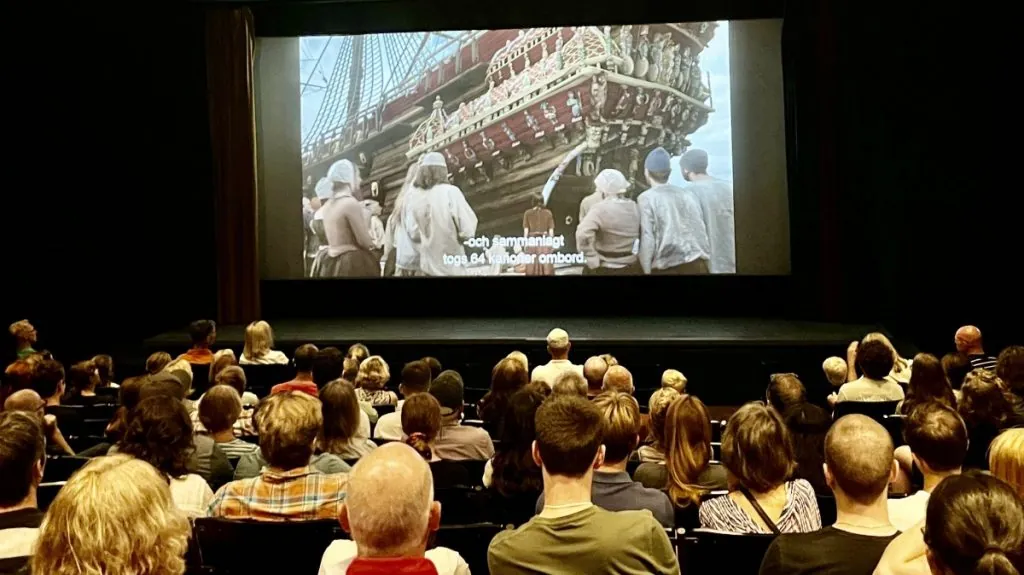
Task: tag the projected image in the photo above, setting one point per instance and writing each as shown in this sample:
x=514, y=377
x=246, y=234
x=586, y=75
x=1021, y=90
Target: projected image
x=534, y=152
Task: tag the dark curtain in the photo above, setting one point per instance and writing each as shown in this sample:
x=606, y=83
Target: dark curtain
x=229, y=71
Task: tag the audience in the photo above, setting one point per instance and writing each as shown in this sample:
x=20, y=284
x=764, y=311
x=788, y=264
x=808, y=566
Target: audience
x=1010, y=369
x=222, y=360
x=657, y=406
x=558, y=349
x=203, y=333
x=24, y=334
x=389, y=534
x=259, y=346
x=160, y=433
x=157, y=361
x=835, y=369
x=357, y=353
x=785, y=390
x=986, y=412
x=370, y=380
x=808, y=424
x=288, y=488
x=48, y=381
x=758, y=453
x=219, y=413
x=674, y=379
x=876, y=360
x=956, y=366
x=593, y=371
x=346, y=429
x=421, y=419
x=571, y=383
x=95, y=525
x=105, y=369
x=927, y=383
x=858, y=467
x=572, y=535
x=521, y=358
x=434, y=365
x=1006, y=458
x=456, y=442
x=83, y=379
x=415, y=380
x=937, y=444
x=329, y=366
x=304, y=356
x=29, y=401
x=618, y=378
x=968, y=342
x=512, y=471
x=22, y=458
x=508, y=376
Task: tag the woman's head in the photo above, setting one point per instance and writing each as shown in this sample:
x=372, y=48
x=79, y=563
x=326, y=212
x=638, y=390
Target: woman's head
x=508, y=376
x=220, y=408
x=673, y=378
x=421, y=422
x=232, y=376
x=341, y=415
x=104, y=497
x=83, y=377
x=785, y=390
x=159, y=432
x=259, y=340
x=1006, y=458
x=222, y=359
x=353, y=359
x=373, y=373
x=757, y=449
x=521, y=358
x=433, y=170
x=687, y=448
x=974, y=524
x=658, y=406
x=928, y=382
x=982, y=401
x=104, y=368
x=956, y=367
x=515, y=471
x=537, y=200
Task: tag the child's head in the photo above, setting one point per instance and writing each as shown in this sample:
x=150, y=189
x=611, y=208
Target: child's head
x=674, y=379
x=835, y=370
x=373, y=373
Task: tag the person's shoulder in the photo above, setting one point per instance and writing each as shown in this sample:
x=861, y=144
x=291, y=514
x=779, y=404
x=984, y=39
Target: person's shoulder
x=444, y=559
x=802, y=487
x=277, y=356
x=337, y=556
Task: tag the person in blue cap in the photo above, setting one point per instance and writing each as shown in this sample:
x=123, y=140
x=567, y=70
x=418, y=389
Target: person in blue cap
x=673, y=237
x=715, y=197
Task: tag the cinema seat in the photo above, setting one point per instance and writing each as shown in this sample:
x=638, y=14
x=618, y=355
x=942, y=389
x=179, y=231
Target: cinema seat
x=231, y=546
x=704, y=551
x=260, y=378
x=46, y=492
x=876, y=410
x=470, y=541
x=61, y=467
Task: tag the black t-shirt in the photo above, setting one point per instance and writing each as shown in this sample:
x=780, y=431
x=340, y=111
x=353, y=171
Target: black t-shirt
x=828, y=550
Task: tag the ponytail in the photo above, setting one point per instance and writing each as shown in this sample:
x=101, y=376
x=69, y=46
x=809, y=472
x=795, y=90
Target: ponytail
x=994, y=562
x=418, y=441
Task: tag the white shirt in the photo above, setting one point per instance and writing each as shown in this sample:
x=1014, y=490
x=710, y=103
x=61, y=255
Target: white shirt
x=439, y=219
x=272, y=357
x=715, y=197
x=191, y=494
x=340, y=554
x=867, y=389
x=909, y=511
x=389, y=426
x=550, y=371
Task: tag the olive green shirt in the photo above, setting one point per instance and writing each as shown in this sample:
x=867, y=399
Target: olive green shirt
x=590, y=541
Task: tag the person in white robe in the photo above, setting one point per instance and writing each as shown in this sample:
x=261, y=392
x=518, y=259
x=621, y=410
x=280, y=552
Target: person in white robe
x=438, y=218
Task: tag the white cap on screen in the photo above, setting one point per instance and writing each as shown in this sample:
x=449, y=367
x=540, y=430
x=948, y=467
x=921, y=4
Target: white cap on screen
x=342, y=172
x=323, y=189
x=611, y=182
x=434, y=159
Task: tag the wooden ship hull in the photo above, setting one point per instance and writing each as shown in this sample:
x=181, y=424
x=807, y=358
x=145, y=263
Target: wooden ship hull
x=515, y=112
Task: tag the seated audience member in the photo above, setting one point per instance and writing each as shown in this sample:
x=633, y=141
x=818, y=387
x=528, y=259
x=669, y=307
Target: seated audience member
x=986, y=412
x=558, y=349
x=303, y=359
x=19, y=375
x=434, y=365
x=389, y=534
x=346, y=430
x=29, y=401
x=24, y=334
x=956, y=366
x=357, y=353
x=937, y=444
x=415, y=380
x=222, y=360
x=421, y=419
x=234, y=376
x=835, y=369
x=618, y=378
x=157, y=361
x=48, y=381
x=83, y=379
x=658, y=406
x=22, y=457
x=160, y=433
x=95, y=524
x=674, y=379
x=288, y=488
x=219, y=413
x=785, y=390
x=259, y=346
x=808, y=424
x=572, y=535
x=329, y=366
x=968, y=342
x=538, y=386
x=858, y=467
x=508, y=376
x=875, y=360
x=512, y=471
x=521, y=358
x=203, y=333
x=456, y=441
x=758, y=452
x=1006, y=458
x=105, y=369
x=1010, y=369
x=571, y=383
x=593, y=371
x=128, y=398
x=370, y=380
x=927, y=383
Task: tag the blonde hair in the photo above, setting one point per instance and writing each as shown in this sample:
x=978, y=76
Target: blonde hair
x=521, y=358
x=289, y=424
x=20, y=328
x=835, y=370
x=221, y=359
x=373, y=373
x=1006, y=458
x=657, y=406
x=673, y=379
x=259, y=340
x=687, y=448
x=115, y=516
x=157, y=361
x=621, y=416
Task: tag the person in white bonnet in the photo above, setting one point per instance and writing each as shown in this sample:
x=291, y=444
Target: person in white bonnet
x=609, y=235
x=345, y=227
x=438, y=219
x=316, y=237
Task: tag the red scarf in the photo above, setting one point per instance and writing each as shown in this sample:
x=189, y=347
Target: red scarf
x=392, y=566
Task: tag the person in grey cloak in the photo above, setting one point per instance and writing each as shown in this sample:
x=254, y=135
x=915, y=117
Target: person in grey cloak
x=715, y=197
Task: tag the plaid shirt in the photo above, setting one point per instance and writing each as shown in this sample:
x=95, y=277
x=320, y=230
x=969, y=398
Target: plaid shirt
x=295, y=495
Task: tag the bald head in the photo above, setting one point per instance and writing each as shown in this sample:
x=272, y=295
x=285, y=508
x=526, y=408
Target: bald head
x=396, y=525
x=859, y=458
x=24, y=400
x=618, y=378
x=593, y=371
x=968, y=340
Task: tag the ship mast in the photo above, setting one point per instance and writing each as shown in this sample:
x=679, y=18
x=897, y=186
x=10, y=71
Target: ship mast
x=355, y=80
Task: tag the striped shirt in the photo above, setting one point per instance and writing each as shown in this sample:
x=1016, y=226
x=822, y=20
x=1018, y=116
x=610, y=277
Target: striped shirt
x=237, y=448
x=982, y=361
x=800, y=514
x=294, y=495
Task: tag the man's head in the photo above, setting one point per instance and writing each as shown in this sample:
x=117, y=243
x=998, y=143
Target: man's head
x=449, y=391
x=956, y=366
x=874, y=358
x=694, y=163
x=558, y=343
x=25, y=400
x=157, y=361
x=570, y=432
x=19, y=374
x=937, y=437
x=202, y=332
x=618, y=378
x=784, y=391
x=621, y=416
x=968, y=340
x=220, y=408
x=289, y=424
x=674, y=379
x=593, y=371
x=434, y=365
x=859, y=460
x=48, y=379
x=304, y=356
x=570, y=382
x=104, y=367
x=1010, y=369
x=397, y=525
x=657, y=166
x=415, y=378
x=162, y=383
x=23, y=332
x=328, y=366
x=22, y=455
x=835, y=370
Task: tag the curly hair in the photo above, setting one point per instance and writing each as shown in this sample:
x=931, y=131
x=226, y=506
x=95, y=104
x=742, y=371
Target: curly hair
x=105, y=497
x=982, y=401
x=159, y=432
x=373, y=373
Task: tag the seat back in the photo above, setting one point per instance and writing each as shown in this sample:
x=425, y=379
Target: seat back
x=384, y=409
x=876, y=410
x=46, y=492
x=61, y=467
x=470, y=541
x=260, y=378
x=827, y=509
x=703, y=551
x=228, y=546
x=200, y=379
x=462, y=505
x=894, y=425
